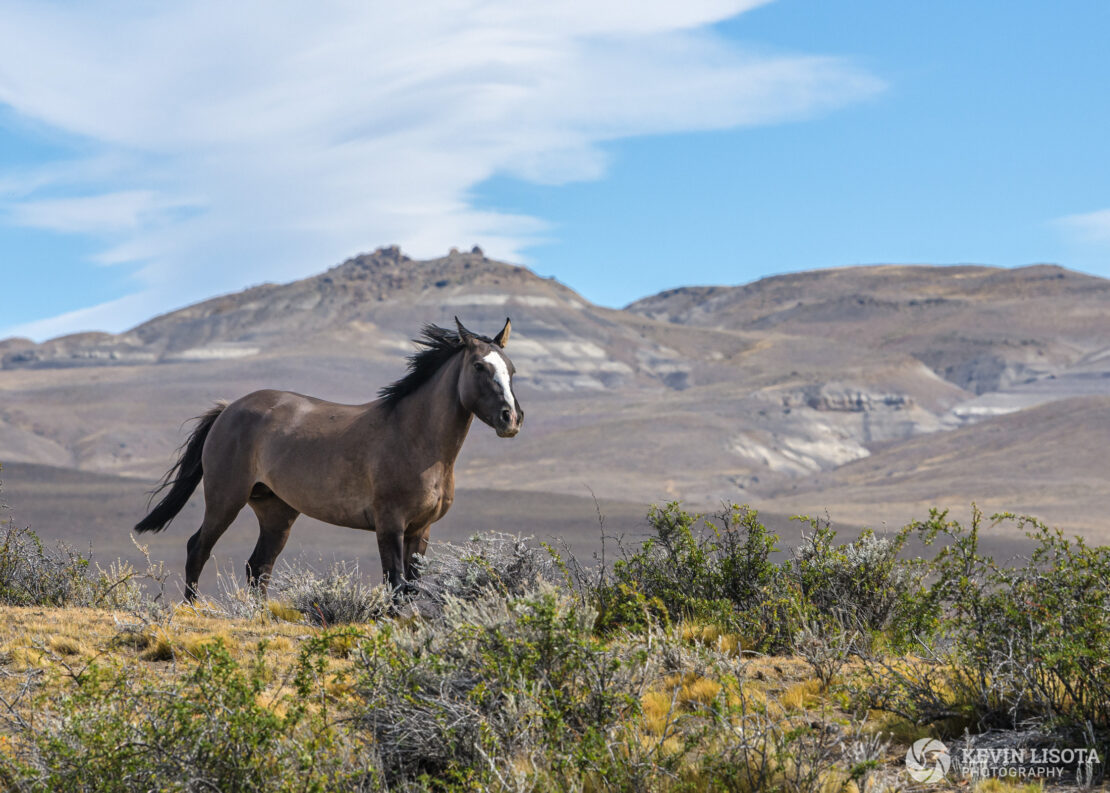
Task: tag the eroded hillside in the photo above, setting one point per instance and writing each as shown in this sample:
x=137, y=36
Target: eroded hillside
x=761, y=393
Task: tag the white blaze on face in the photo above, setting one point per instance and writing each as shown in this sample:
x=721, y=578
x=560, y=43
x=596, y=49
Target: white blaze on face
x=501, y=376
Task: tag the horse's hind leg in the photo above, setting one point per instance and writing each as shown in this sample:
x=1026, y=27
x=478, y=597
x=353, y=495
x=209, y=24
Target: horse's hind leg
x=275, y=520
x=220, y=509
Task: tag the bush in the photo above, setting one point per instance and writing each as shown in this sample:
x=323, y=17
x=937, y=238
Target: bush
x=863, y=585
x=33, y=574
x=337, y=596
x=1016, y=645
x=493, y=561
x=721, y=574
x=622, y=606
x=758, y=752
x=494, y=681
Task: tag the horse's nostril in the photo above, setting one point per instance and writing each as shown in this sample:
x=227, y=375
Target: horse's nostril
x=506, y=415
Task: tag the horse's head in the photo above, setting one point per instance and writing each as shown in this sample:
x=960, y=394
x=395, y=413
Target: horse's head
x=486, y=381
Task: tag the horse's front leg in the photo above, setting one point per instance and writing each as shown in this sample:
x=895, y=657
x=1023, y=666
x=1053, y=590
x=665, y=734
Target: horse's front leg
x=416, y=542
x=391, y=548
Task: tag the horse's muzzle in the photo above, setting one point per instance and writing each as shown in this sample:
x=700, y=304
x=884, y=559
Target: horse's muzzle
x=508, y=422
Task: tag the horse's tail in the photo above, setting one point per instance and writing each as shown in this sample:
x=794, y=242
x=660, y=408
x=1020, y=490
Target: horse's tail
x=183, y=477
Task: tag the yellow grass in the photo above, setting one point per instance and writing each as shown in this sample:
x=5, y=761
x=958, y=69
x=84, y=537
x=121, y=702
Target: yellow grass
x=802, y=696
x=66, y=645
x=748, y=696
x=701, y=690
x=159, y=648
x=711, y=636
x=284, y=611
x=674, y=694
x=657, y=709
x=281, y=645
x=55, y=640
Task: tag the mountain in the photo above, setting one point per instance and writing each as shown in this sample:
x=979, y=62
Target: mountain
x=874, y=391
x=980, y=328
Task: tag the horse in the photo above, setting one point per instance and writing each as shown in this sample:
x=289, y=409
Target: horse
x=386, y=466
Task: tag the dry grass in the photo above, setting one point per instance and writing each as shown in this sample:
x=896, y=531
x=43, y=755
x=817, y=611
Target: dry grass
x=285, y=611
x=713, y=636
x=802, y=696
x=58, y=641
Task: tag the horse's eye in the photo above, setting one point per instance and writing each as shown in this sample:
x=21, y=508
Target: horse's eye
x=478, y=365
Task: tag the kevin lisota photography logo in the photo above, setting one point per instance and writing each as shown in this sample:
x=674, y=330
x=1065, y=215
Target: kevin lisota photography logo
x=928, y=760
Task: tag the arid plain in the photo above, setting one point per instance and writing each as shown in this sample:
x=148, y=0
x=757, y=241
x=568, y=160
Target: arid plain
x=869, y=394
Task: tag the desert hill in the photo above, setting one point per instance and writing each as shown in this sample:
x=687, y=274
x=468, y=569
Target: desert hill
x=1049, y=461
x=980, y=328
x=370, y=306
x=830, y=389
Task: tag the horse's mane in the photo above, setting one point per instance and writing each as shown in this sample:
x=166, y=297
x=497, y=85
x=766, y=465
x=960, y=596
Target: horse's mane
x=439, y=345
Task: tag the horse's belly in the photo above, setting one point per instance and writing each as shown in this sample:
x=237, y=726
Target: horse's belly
x=348, y=517
x=348, y=507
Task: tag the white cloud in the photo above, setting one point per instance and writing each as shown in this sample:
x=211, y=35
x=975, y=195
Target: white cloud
x=229, y=144
x=122, y=312
x=126, y=210
x=1091, y=228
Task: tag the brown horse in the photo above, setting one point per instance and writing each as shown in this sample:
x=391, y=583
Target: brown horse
x=386, y=466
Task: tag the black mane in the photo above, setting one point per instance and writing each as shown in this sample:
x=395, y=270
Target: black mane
x=439, y=346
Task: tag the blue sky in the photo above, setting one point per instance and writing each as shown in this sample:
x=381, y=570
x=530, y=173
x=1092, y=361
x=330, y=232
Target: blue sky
x=153, y=155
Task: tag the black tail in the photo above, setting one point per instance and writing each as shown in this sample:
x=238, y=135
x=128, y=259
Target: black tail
x=182, y=478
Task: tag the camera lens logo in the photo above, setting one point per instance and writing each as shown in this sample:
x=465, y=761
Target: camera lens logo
x=928, y=760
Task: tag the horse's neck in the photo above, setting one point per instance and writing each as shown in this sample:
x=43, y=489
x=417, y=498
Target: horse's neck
x=434, y=413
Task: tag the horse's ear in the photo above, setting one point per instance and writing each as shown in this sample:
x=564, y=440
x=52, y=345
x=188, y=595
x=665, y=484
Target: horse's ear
x=465, y=336
x=502, y=338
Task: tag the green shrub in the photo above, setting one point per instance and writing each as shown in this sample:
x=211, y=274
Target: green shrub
x=719, y=572
x=622, y=606
x=1019, y=644
x=864, y=584
x=675, y=566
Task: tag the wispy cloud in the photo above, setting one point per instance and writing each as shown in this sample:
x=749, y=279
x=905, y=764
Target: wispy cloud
x=98, y=316
x=126, y=210
x=1090, y=228
x=235, y=143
